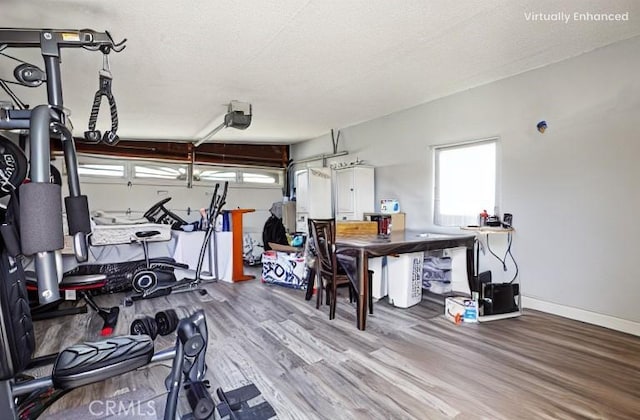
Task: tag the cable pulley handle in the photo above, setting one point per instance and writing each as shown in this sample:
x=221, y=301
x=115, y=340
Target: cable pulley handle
x=104, y=89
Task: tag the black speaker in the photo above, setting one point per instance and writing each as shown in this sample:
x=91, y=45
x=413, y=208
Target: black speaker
x=500, y=298
x=481, y=279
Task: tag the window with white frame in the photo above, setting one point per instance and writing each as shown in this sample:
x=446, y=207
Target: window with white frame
x=261, y=177
x=104, y=169
x=160, y=171
x=107, y=169
x=202, y=173
x=465, y=182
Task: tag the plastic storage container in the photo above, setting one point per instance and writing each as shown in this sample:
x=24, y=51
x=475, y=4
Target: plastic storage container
x=436, y=274
x=405, y=279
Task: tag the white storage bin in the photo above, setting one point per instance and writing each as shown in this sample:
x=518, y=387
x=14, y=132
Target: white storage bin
x=405, y=279
x=379, y=287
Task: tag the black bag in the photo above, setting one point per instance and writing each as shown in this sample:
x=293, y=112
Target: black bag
x=274, y=232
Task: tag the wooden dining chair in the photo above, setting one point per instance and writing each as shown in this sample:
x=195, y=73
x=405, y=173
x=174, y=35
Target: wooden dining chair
x=330, y=274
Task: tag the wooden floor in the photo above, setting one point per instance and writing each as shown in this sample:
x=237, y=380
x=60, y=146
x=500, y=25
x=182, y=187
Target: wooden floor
x=410, y=363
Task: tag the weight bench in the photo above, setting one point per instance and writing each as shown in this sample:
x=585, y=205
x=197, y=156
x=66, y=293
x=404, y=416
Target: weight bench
x=82, y=285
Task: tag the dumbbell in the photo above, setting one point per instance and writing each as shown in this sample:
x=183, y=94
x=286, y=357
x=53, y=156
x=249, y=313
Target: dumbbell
x=145, y=325
x=167, y=321
x=164, y=323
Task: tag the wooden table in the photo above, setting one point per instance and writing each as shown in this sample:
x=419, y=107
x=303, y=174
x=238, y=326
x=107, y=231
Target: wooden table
x=363, y=247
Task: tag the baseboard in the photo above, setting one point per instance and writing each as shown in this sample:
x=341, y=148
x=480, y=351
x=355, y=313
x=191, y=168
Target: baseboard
x=607, y=321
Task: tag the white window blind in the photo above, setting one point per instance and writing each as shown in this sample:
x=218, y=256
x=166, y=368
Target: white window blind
x=465, y=182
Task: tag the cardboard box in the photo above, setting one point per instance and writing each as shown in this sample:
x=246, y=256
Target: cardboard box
x=397, y=222
x=460, y=309
x=283, y=269
x=355, y=227
x=286, y=248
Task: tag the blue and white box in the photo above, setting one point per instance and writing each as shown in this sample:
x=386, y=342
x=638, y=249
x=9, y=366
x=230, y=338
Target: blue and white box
x=461, y=309
x=389, y=206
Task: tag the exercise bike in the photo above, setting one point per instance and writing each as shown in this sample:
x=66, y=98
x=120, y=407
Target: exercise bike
x=152, y=282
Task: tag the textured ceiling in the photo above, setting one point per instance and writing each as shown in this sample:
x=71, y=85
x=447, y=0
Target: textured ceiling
x=306, y=65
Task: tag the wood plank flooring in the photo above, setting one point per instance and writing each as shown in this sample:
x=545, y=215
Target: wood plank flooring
x=408, y=364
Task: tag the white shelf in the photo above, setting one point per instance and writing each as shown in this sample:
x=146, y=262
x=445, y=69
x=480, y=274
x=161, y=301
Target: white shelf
x=487, y=318
x=485, y=230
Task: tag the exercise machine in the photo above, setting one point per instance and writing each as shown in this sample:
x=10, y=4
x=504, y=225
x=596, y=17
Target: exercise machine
x=13, y=171
x=147, y=283
x=36, y=229
x=40, y=200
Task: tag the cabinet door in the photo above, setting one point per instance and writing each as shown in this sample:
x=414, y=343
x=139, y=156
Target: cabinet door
x=319, y=203
x=345, y=191
x=302, y=192
x=363, y=179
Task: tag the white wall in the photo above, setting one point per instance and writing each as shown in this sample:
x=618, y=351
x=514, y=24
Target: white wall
x=574, y=191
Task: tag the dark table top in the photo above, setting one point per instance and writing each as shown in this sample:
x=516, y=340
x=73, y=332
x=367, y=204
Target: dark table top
x=402, y=242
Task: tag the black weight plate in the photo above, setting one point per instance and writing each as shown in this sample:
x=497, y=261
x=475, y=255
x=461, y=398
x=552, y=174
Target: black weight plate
x=13, y=166
x=167, y=321
x=146, y=325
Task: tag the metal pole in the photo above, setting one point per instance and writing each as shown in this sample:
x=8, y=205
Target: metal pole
x=45, y=262
x=7, y=405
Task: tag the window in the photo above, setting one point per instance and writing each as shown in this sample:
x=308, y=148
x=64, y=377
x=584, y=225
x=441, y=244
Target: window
x=202, y=173
x=260, y=178
x=114, y=170
x=465, y=182
x=100, y=170
x=160, y=171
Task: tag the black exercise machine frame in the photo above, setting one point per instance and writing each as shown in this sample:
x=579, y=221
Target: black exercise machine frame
x=43, y=117
x=189, y=353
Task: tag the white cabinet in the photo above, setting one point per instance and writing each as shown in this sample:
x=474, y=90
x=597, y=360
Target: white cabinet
x=313, y=196
x=354, y=192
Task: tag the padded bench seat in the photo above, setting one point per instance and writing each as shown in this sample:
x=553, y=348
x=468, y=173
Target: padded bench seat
x=86, y=363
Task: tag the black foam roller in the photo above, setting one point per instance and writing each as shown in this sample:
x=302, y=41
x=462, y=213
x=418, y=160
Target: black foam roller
x=40, y=217
x=78, y=214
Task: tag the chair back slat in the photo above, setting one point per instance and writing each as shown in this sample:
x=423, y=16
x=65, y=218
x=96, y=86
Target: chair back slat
x=323, y=232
